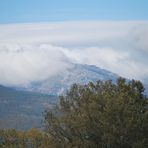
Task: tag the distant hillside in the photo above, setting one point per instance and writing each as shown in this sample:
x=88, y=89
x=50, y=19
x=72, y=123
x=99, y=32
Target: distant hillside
x=22, y=110
x=78, y=73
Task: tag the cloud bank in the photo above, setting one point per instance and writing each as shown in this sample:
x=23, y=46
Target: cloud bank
x=34, y=52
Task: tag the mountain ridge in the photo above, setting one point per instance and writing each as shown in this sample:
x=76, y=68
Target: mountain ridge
x=77, y=73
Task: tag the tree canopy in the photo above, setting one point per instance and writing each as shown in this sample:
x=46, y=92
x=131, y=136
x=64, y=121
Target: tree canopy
x=100, y=115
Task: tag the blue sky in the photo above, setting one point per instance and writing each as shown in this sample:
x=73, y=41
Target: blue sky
x=20, y=11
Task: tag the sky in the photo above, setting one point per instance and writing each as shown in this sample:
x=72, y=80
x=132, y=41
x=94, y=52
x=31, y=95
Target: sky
x=22, y=11
x=39, y=39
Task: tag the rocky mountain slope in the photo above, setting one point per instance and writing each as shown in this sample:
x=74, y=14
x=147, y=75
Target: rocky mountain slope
x=78, y=73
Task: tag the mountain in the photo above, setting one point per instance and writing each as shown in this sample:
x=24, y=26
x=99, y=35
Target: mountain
x=77, y=73
x=21, y=109
x=145, y=82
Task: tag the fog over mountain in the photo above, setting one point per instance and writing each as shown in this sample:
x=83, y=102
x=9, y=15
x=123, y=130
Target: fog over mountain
x=36, y=52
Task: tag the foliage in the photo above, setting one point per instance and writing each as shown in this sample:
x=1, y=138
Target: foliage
x=29, y=139
x=104, y=115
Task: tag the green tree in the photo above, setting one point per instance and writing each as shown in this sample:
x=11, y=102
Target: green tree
x=101, y=115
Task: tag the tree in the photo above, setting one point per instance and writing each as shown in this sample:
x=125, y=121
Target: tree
x=101, y=115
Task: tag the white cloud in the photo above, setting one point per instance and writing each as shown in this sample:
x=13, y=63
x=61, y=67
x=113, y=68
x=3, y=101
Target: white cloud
x=30, y=52
x=117, y=61
x=23, y=64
